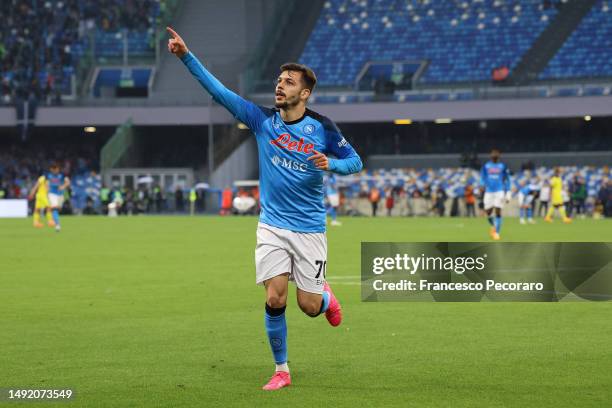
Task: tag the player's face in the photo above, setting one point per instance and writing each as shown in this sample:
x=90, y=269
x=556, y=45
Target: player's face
x=495, y=155
x=289, y=90
x=54, y=170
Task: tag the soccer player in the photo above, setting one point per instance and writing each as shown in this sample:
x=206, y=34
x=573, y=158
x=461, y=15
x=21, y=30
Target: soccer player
x=293, y=144
x=333, y=198
x=525, y=199
x=57, y=184
x=556, y=194
x=495, y=180
x=41, y=189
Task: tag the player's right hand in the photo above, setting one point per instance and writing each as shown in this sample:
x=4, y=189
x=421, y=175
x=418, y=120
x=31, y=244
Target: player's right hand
x=176, y=45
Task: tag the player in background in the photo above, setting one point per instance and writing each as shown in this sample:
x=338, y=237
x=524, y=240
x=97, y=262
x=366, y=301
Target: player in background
x=556, y=196
x=333, y=199
x=293, y=144
x=495, y=181
x=58, y=183
x=41, y=190
x=525, y=200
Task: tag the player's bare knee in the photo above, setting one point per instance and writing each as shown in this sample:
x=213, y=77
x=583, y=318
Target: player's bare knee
x=275, y=300
x=310, y=308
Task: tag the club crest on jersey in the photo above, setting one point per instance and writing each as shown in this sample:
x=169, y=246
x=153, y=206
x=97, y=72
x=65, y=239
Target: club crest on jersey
x=308, y=129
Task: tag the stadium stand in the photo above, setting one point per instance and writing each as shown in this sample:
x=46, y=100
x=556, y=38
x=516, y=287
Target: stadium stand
x=588, y=51
x=437, y=191
x=42, y=42
x=462, y=40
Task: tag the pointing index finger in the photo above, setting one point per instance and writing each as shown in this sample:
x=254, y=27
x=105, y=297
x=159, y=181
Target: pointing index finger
x=173, y=33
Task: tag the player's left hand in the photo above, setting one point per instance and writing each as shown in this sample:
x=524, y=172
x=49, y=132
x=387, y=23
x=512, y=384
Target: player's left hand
x=320, y=160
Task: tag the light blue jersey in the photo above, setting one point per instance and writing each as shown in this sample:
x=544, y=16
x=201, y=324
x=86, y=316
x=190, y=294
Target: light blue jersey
x=291, y=187
x=495, y=177
x=526, y=189
x=55, y=182
x=330, y=186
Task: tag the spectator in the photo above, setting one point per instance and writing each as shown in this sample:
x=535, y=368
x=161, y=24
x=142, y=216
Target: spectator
x=578, y=196
x=470, y=200
x=389, y=201
x=605, y=198
x=439, y=199
x=179, y=200
x=374, y=199
x=544, y=197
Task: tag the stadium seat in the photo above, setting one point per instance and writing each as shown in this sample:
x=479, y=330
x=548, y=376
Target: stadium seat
x=587, y=52
x=463, y=41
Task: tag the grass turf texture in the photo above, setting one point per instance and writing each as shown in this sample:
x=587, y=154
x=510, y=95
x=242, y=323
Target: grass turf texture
x=163, y=311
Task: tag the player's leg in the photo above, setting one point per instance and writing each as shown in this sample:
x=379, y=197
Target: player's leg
x=563, y=213
x=497, y=222
x=55, y=202
x=49, y=217
x=314, y=295
x=312, y=304
x=276, y=325
x=276, y=329
x=488, y=207
x=273, y=266
x=530, y=215
x=549, y=213
x=36, y=217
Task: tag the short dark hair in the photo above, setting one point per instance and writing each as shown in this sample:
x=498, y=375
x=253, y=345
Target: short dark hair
x=308, y=76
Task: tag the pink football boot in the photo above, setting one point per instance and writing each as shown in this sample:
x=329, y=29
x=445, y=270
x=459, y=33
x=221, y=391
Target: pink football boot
x=279, y=380
x=334, y=311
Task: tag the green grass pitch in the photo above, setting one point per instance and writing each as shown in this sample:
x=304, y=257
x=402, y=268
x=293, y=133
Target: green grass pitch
x=164, y=312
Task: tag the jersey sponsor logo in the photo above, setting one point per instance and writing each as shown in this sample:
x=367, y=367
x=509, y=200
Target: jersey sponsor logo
x=288, y=164
x=343, y=142
x=284, y=141
x=308, y=129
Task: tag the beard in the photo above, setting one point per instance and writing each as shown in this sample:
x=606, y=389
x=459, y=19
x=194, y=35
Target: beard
x=287, y=103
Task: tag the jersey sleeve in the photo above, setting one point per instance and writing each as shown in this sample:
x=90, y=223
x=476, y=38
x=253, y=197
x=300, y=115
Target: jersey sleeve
x=507, y=179
x=483, y=176
x=245, y=111
x=347, y=160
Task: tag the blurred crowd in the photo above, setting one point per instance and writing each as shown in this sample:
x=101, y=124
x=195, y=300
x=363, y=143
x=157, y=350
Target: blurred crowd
x=587, y=190
x=21, y=165
x=457, y=191
x=41, y=41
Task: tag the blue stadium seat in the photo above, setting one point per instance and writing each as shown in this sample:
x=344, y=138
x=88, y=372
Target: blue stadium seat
x=588, y=51
x=462, y=40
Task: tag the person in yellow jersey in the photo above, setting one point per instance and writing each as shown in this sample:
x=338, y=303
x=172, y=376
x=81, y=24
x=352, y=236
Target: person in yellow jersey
x=556, y=195
x=41, y=190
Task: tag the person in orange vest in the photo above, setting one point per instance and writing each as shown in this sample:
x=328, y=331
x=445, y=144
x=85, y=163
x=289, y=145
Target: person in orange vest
x=470, y=200
x=374, y=199
x=226, y=201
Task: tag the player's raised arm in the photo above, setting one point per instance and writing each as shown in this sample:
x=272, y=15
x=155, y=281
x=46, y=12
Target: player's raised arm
x=245, y=111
